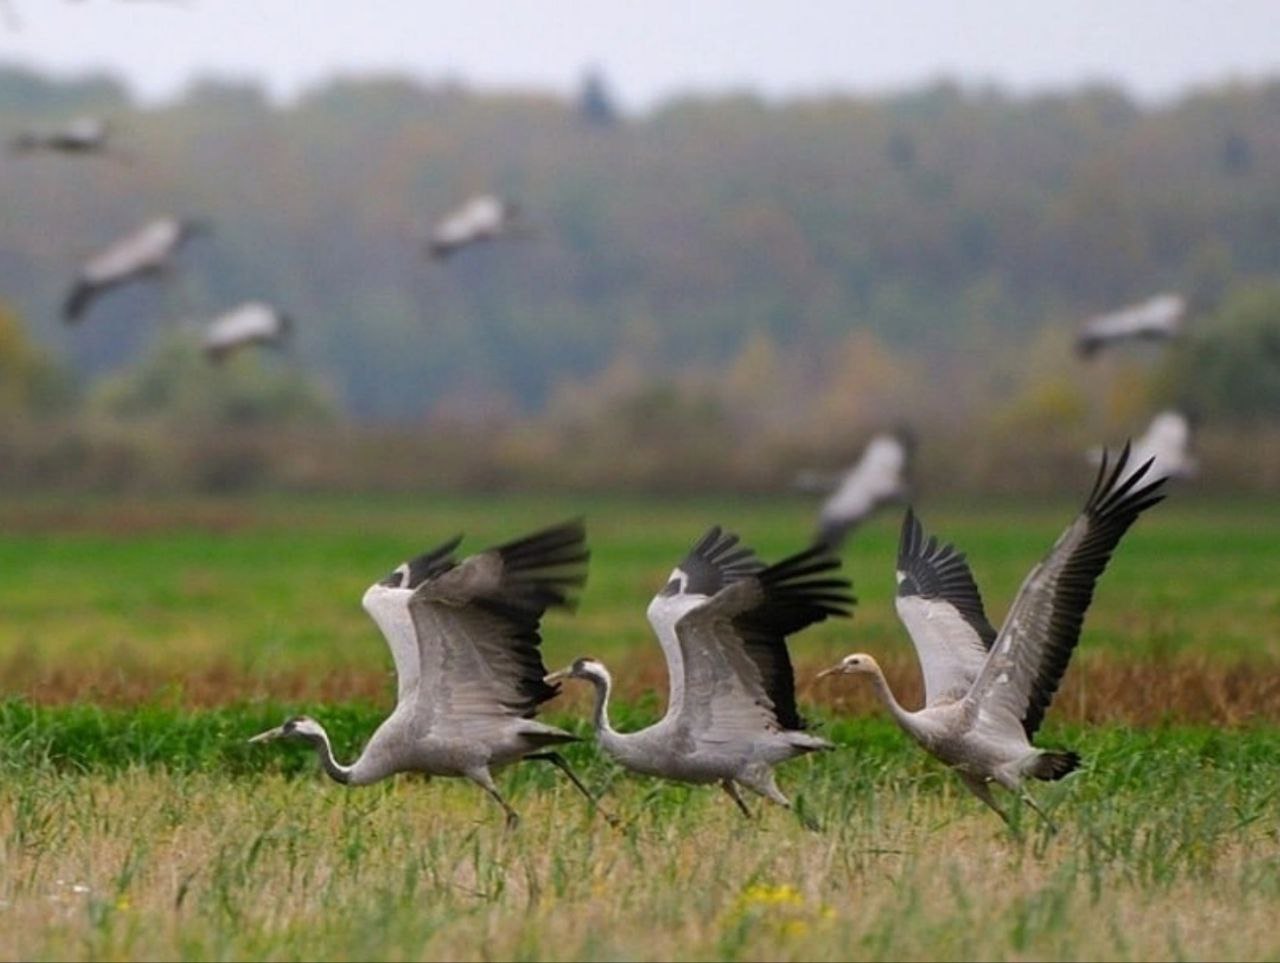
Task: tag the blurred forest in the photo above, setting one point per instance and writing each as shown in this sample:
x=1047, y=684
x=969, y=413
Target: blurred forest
x=713, y=293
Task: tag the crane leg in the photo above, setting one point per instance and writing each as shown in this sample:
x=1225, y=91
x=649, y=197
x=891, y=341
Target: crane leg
x=982, y=790
x=765, y=784
x=559, y=762
x=732, y=789
x=1026, y=797
x=483, y=779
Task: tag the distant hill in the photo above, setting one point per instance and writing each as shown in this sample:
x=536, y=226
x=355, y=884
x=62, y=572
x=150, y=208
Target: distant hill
x=939, y=220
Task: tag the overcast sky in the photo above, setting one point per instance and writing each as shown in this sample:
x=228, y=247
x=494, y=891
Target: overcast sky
x=651, y=49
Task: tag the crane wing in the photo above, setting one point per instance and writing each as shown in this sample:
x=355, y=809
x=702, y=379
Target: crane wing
x=144, y=248
x=716, y=560
x=939, y=603
x=1028, y=659
x=1157, y=317
x=878, y=477
x=477, y=628
x=738, y=676
x=388, y=605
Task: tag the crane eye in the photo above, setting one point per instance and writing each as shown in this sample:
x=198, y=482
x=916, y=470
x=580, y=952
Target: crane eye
x=671, y=588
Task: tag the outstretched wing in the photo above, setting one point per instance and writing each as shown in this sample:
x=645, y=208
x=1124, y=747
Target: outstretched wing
x=939, y=603
x=877, y=478
x=477, y=628
x=738, y=676
x=122, y=261
x=1028, y=659
x=387, y=603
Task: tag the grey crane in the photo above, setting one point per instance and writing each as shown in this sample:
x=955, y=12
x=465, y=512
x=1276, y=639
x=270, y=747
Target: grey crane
x=1167, y=442
x=723, y=620
x=465, y=640
x=83, y=135
x=253, y=322
x=1156, y=319
x=986, y=693
x=878, y=478
x=145, y=253
x=481, y=218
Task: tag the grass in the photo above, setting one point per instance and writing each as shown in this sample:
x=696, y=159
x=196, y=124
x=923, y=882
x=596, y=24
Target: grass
x=135, y=598
x=142, y=643
x=144, y=834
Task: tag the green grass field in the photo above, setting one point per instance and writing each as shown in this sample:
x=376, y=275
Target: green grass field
x=142, y=642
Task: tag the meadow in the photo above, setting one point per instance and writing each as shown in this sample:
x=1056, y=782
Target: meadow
x=142, y=641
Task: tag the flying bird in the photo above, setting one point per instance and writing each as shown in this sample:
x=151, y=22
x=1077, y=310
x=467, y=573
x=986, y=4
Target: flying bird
x=464, y=637
x=1167, y=443
x=878, y=478
x=253, y=322
x=84, y=135
x=1156, y=319
x=146, y=253
x=484, y=217
x=986, y=693
x=723, y=620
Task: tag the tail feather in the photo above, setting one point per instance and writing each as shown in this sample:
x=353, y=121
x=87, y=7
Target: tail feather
x=1052, y=766
x=805, y=742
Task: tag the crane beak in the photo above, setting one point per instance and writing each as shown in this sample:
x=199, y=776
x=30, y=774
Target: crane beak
x=555, y=677
x=270, y=734
x=834, y=670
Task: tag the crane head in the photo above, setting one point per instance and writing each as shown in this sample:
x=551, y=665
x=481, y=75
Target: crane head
x=857, y=664
x=300, y=726
x=583, y=668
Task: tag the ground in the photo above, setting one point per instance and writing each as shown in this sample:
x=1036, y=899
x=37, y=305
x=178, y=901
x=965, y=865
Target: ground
x=142, y=642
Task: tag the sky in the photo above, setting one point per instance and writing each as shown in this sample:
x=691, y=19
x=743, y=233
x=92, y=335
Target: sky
x=653, y=49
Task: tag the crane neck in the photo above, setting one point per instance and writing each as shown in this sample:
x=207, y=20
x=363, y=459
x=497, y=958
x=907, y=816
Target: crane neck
x=904, y=718
x=337, y=772
x=600, y=715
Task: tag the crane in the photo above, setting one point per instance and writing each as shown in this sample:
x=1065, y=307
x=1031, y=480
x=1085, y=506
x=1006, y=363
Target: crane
x=1156, y=319
x=722, y=620
x=253, y=322
x=464, y=637
x=483, y=217
x=877, y=478
x=986, y=693
x=83, y=135
x=145, y=253
x=1167, y=441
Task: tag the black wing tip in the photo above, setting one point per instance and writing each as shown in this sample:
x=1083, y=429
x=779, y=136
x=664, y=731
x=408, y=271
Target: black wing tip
x=833, y=534
x=432, y=562
x=542, y=569
x=803, y=590
x=1087, y=346
x=559, y=544
x=1051, y=766
x=717, y=559
x=1116, y=492
x=910, y=538
x=931, y=569
x=77, y=301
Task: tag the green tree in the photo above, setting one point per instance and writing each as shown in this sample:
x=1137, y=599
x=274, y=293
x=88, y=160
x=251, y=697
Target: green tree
x=175, y=385
x=29, y=381
x=1229, y=366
